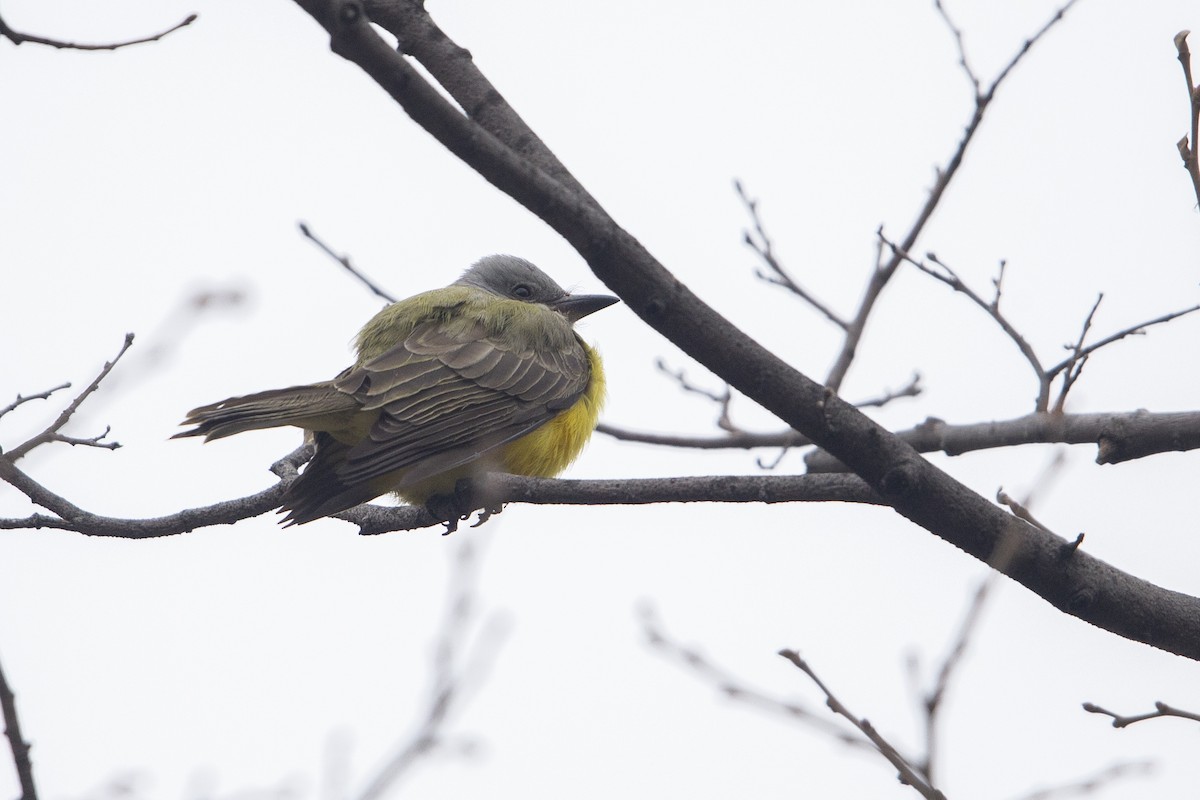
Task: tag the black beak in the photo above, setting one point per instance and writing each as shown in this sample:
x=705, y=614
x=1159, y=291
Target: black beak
x=577, y=306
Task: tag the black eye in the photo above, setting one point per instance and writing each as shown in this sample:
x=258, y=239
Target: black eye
x=522, y=291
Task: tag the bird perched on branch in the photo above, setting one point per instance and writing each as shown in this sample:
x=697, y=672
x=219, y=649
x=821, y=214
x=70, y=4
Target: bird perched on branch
x=486, y=374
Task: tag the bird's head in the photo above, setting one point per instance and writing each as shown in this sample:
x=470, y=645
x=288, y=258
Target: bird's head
x=517, y=279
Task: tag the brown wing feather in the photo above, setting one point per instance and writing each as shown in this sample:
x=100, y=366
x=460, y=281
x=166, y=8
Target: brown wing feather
x=446, y=399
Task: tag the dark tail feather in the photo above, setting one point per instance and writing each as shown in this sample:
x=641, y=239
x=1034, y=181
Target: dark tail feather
x=319, y=492
x=295, y=405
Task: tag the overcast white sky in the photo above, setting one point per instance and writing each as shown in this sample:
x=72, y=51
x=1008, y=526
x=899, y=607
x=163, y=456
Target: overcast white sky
x=236, y=659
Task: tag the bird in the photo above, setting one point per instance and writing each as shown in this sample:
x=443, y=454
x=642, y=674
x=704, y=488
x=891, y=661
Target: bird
x=485, y=375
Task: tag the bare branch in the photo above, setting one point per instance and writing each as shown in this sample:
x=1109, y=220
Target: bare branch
x=488, y=491
x=883, y=272
x=345, y=262
x=1191, y=161
x=1019, y=510
x=765, y=250
x=773, y=463
x=1160, y=710
x=932, y=701
x=998, y=284
x=1028, y=45
x=70, y=517
x=51, y=434
x=452, y=67
x=16, y=740
x=1075, y=363
x=740, y=440
x=20, y=38
x=21, y=399
x=1132, y=330
x=454, y=675
x=736, y=438
x=1070, y=367
x=1090, y=785
x=910, y=389
x=1119, y=436
x=956, y=32
x=908, y=775
x=722, y=399
x=733, y=688
x=949, y=277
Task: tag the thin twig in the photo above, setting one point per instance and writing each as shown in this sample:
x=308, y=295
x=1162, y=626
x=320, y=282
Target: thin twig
x=948, y=276
x=1161, y=710
x=1019, y=510
x=454, y=673
x=945, y=274
x=910, y=389
x=743, y=440
x=722, y=399
x=998, y=284
x=1072, y=366
x=765, y=250
x=345, y=262
x=733, y=688
x=1191, y=159
x=20, y=38
x=908, y=774
x=51, y=434
x=774, y=462
x=1132, y=330
x=1092, y=784
x=1077, y=360
x=956, y=32
x=16, y=740
x=932, y=701
x=22, y=398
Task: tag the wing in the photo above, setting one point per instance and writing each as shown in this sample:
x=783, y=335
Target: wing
x=448, y=396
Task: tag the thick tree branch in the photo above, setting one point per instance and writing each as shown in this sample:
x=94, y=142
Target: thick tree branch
x=16, y=740
x=1072, y=581
x=69, y=517
x=486, y=492
x=454, y=68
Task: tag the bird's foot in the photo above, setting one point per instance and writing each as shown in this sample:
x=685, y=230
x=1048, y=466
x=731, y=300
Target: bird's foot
x=447, y=509
x=486, y=513
x=451, y=509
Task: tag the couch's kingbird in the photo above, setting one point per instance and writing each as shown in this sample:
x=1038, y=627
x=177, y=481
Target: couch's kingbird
x=486, y=374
